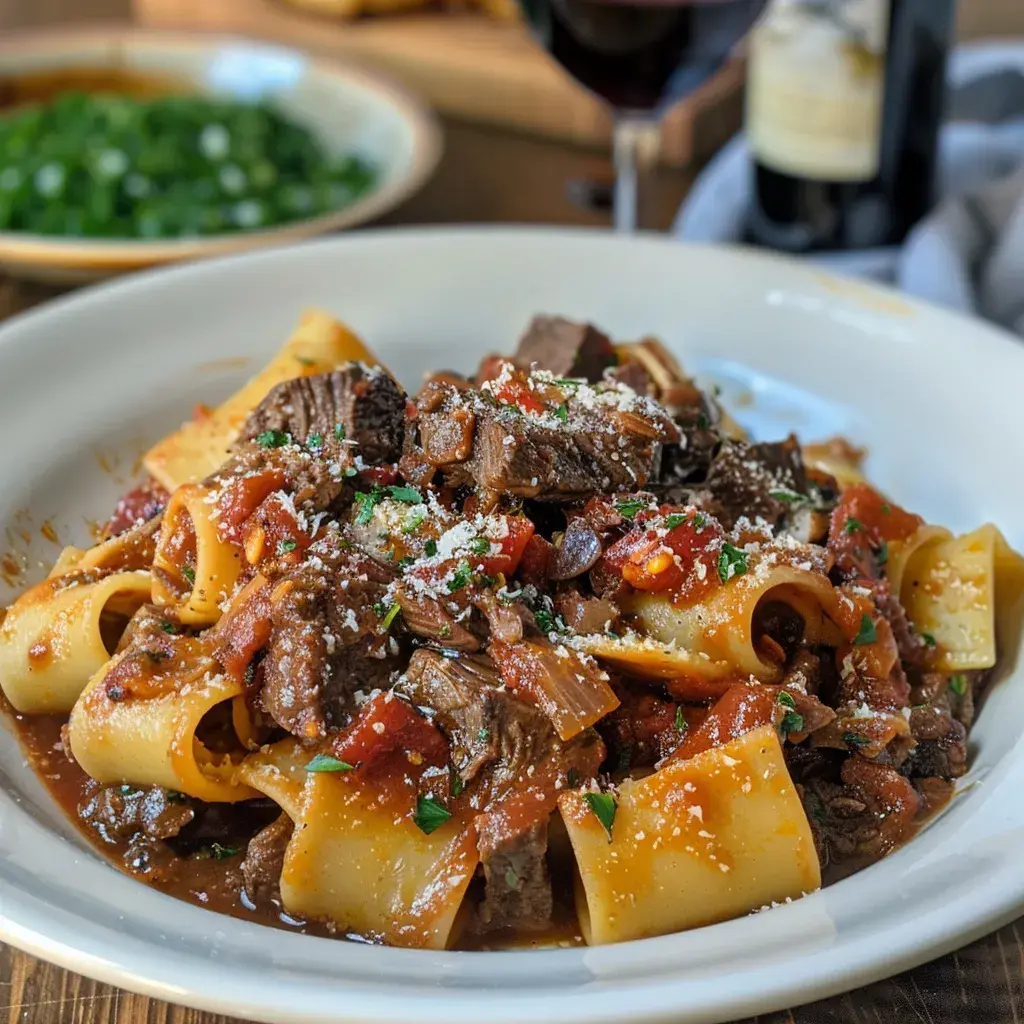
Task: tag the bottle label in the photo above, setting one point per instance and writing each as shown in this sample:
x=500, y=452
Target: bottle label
x=816, y=87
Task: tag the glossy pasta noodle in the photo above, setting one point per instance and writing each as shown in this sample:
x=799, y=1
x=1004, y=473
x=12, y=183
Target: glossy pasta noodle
x=552, y=653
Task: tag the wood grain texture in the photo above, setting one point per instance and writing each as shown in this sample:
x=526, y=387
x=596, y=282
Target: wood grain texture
x=491, y=175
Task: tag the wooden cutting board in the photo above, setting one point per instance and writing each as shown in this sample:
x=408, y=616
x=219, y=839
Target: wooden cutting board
x=467, y=65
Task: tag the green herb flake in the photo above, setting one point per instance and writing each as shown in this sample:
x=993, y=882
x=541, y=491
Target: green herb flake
x=430, y=548
x=886, y=509
x=786, y=699
x=168, y=627
x=456, y=783
x=273, y=439
x=851, y=739
x=407, y=562
x=868, y=633
x=681, y=723
x=851, y=525
x=958, y=684
x=414, y=519
x=603, y=807
x=786, y=496
x=409, y=495
x=700, y=520
x=882, y=553
x=928, y=639
x=702, y=421
x=430, y=814
x=732, y=562
x=127, y=790
x=461, y=577
x=189, y=573
x=480, y=546
x=174, y=797
x=569, y=382
x=315, y=441
x=217, y=851
x=286, y=546
x=483, y=735
x=367, y=501
x=629, y=509
x=390, y=615
x=339, y=431
x=562, y=413
x=674, y=519
x=791, y=722
x=326, y=763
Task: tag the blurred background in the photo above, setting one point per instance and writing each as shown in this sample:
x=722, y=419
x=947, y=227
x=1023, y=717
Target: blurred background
x=523, y=139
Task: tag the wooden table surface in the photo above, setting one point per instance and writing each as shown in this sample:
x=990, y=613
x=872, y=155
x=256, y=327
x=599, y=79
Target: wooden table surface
x=490, y=175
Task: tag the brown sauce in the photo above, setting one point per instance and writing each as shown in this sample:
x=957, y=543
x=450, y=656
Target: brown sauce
x=43, y=86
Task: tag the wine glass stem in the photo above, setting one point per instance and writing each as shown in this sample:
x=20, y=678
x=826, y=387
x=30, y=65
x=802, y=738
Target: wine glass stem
x=635, y=151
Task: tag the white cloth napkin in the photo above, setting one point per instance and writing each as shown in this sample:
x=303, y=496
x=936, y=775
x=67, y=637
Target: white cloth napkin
x=969, y=253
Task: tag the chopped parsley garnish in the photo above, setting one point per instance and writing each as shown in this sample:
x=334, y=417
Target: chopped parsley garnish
x=548, y=622
x=285, y=546
x=868, y=633
x=732, y=561
x=562, y=412
x=681, y=724
x=786, y=496
x=217, y=851
x=367, y=502
x=851, y=525
x=168, y=627
x=404, y=563
x=674, y=519
x=702, y=421
x=189, y=573
x=174, y=797
x=127, y=790
x=304, y=361
x=430, y=548
x=851, y=739
x=456, y=783
x=792, y=720
x=407, y=494
x=430, y=814
x=603, y=807
x=273, y=438
x=315, y=440
x=326, y=763
x=886, y=509
x=882, y=553
x=480, y=546
x=928, y=639
x=568, y=382
x=390, y=615
x=629, y=509
x=958, y=684
x=483, y=735
x=700, y=520
x=461, y=577
x=511, y=878
x=339, y=431
x=414, y=519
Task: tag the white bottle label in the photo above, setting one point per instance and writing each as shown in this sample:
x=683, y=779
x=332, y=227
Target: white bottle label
x=816, y=87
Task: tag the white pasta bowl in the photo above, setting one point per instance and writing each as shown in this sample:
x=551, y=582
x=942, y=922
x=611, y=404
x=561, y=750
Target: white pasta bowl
x=88, y=382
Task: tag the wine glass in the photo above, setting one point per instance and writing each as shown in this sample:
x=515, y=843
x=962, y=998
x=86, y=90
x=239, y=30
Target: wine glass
x=639, y=56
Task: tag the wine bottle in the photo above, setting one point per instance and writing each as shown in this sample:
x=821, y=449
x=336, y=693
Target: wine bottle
x=844, y=103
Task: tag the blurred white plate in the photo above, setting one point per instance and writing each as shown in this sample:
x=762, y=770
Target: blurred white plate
x=935, y=396
x=347, y=108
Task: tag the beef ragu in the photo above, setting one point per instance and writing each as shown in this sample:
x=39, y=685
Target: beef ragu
x=401, y=667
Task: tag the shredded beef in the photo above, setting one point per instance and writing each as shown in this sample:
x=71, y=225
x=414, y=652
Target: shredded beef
x=264, y=859
x=477, y=441
x=565, y=348
x=508, y=752
x=123, y=811
x=742, y=477
x=941, y=749
x=325, y=640
x=365, y=401
x=640, y=731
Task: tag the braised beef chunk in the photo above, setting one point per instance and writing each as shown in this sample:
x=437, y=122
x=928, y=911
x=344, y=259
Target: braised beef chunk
x=264, y=859
x=513, y=764
x=365, y=402
x=744, y=480
x=641, y=730
x=552, y=446
x=123, y=811
x=941, y=748
x=518, y=885
x=325, y=640
x=565, y=348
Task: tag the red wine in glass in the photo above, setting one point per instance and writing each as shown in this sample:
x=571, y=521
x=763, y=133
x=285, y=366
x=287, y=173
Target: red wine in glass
x=640, y=57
